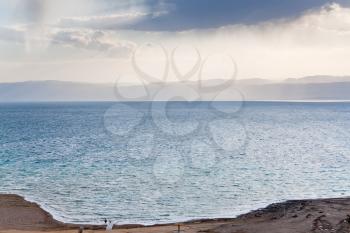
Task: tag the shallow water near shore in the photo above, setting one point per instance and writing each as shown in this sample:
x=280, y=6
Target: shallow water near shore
x=153, y=163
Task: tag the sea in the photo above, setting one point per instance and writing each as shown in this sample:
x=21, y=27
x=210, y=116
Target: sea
x=161, y=162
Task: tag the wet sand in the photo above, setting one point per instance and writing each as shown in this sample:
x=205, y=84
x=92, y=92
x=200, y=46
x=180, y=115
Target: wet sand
x=302, y=216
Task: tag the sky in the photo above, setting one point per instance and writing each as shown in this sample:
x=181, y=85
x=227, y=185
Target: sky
x=107, y=40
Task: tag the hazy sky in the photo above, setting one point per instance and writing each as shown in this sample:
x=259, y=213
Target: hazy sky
x=94, y=40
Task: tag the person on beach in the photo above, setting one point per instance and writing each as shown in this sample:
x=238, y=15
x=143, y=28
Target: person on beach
x=109, y=226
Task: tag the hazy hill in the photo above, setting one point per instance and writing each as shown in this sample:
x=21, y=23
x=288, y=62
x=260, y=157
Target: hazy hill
x=319, y=79
x=308, y=88
x=54, y=91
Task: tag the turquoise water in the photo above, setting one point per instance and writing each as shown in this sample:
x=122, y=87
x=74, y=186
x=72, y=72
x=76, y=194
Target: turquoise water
x=154, y=163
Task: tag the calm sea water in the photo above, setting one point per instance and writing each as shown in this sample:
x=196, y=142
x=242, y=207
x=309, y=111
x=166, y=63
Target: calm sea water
x=152, y=163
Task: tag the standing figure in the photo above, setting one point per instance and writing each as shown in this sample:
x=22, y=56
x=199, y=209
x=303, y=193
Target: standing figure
x=109, y=226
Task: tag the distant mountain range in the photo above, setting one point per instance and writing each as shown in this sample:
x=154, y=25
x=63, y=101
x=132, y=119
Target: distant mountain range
x=311, y=88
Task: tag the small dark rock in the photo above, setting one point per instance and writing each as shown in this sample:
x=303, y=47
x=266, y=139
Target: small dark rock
x=348, y=218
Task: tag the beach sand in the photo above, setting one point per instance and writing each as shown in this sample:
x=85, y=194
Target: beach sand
x=303, y=216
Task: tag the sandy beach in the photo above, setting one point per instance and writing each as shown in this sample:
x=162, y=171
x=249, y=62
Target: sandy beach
x=300, y=216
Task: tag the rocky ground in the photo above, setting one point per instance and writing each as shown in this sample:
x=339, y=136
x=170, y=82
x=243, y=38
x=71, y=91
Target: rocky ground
x=300, y=216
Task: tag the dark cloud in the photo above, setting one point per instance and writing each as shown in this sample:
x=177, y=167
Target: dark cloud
x=193, y=14
x=174, y=15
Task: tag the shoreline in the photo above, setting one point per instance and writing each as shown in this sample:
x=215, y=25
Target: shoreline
x=54, y=214
x=310, y=215
x=311, y=101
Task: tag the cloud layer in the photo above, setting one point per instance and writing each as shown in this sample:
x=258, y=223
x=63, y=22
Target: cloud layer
x=269, y=40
